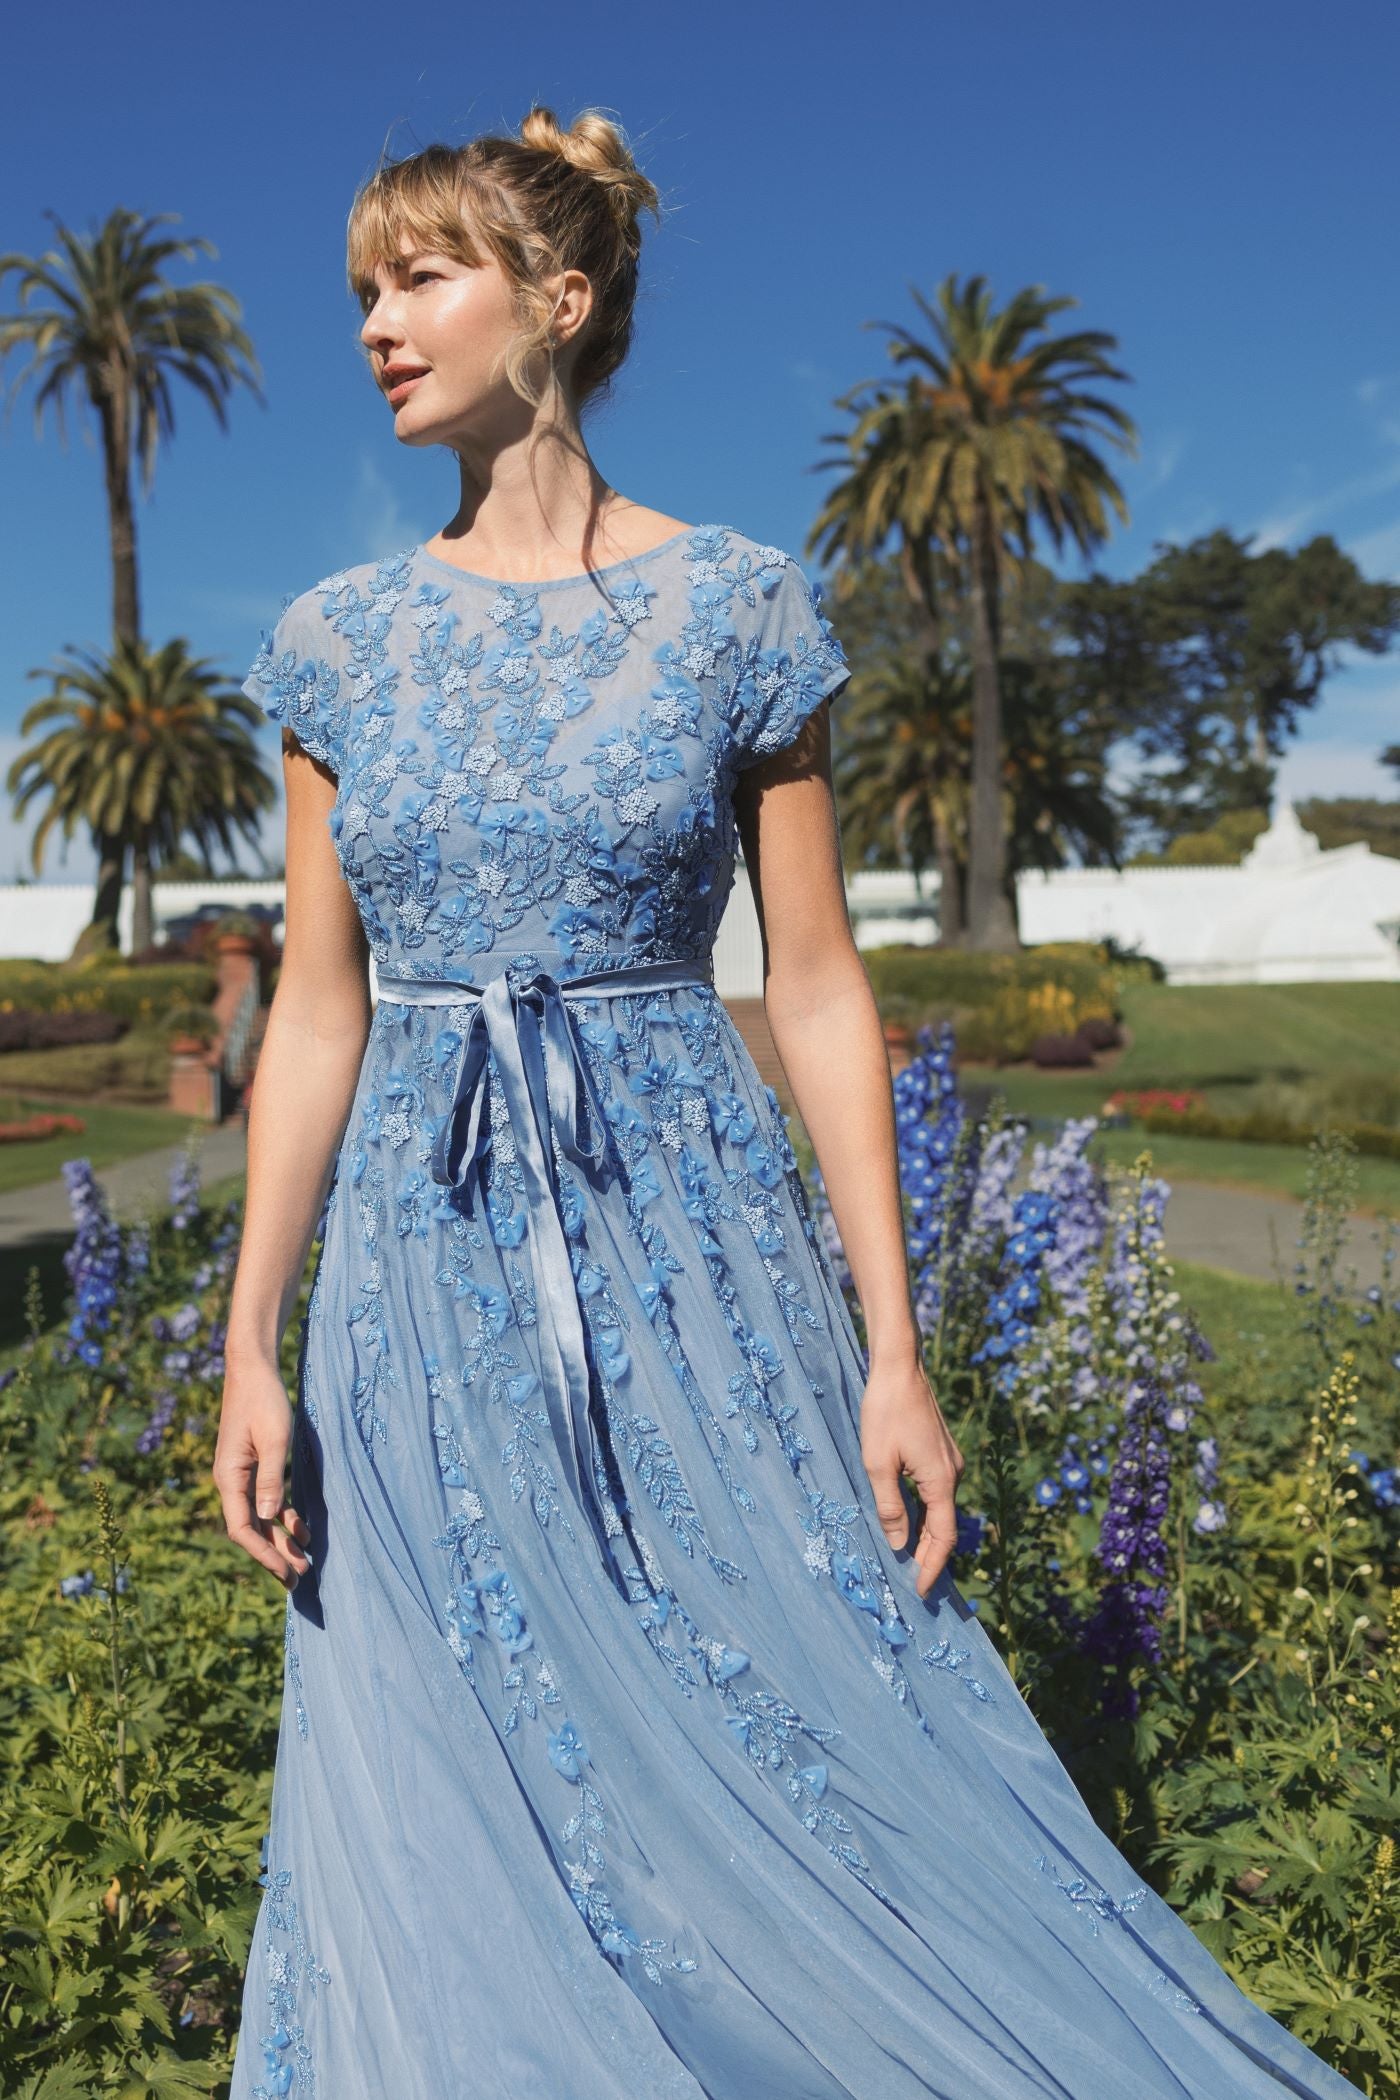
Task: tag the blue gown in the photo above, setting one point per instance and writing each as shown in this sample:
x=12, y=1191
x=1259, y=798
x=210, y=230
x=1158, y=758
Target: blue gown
x=619, y=1757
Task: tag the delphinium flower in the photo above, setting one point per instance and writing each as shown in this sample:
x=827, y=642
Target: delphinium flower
x=93, y=1261
x=1080, y=1195
x=1055, y=1367
x=1212, y=1514
x=162, y=1414
x=1150, y=1346
x=1012, y=1307
x=937, y=1167
x=184, y=1185
x=1383, y=1481
x=989, y=1208
x=225, y=1239
x=972, y=1526
x=1125, y=1627
x=196, y=1354
x=1073, y=1476
x=136, y=1251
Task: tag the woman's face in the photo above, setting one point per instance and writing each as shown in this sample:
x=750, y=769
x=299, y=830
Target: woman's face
x=447, y=323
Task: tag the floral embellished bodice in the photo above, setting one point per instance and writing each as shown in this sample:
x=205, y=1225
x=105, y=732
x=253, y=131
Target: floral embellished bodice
x=546, y=771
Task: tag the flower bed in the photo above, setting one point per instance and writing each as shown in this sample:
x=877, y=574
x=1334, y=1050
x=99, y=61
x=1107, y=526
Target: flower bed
x=43, y=1123
x=1193, y=1582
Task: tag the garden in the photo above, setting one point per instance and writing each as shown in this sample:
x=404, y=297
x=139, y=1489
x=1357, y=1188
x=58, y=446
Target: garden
x=1190, y=1561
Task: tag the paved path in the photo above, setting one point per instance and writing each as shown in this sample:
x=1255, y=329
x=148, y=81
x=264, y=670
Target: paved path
x=1221, y=1228
x=42, y=1211
x=1254, y=1235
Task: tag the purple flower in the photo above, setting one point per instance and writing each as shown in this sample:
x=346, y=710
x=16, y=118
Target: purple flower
x=94, y=1261
x=184, y=1186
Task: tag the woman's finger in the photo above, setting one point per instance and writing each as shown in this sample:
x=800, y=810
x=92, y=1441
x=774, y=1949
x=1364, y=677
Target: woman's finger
x=939, y=1533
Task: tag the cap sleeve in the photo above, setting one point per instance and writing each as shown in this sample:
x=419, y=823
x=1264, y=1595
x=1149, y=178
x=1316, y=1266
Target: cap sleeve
x=791, y=662
x=295, y=680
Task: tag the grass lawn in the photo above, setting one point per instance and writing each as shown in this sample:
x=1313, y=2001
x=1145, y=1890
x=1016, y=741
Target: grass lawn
x=1229, y=1041
x=1270, y=1170
x=1221, y=1034
x=113, y=1131
x=1250, y=1325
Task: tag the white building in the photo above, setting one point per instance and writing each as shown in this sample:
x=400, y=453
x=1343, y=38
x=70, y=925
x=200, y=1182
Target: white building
x=1289, y=914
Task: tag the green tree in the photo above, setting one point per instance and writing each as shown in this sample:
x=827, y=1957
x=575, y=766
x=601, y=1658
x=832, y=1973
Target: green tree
x=903, y=755
x=989, y=440
x=901, y=775
x=1353, y=820
x=1212, y=656
x=146, y=749
x=98, y=317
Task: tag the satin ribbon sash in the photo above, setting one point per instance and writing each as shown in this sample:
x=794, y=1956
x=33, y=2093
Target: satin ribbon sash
x=526, y=1025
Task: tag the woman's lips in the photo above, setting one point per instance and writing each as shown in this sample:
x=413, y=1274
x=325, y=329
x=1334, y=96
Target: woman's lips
x=400, y=387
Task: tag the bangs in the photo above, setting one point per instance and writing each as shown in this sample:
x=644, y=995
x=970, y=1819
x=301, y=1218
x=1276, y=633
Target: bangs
x=412, y=207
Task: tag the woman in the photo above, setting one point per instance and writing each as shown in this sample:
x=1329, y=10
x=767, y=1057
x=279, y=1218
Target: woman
x=586, y=1784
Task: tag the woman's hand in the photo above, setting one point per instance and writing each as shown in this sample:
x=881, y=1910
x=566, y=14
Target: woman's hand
x=902, y=1430
x=249, y=1470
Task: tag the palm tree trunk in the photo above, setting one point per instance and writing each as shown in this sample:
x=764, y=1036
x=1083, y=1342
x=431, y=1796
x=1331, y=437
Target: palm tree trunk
x=951, y=926
x=142, y=916
x=113, y=415
x=101, y=929
x=990, y=924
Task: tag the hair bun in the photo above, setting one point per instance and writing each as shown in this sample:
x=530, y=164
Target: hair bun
x=595, y=146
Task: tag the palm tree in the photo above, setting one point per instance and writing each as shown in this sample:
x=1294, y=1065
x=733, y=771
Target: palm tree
x=988, y=439
x=1055, y=774
x=901, y=774
x=109, y=324
x=149, y=749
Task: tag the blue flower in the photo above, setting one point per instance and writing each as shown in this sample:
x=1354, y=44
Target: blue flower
x=849, y=1578
x=567, y=1751
x=970, y=1531
x=1047, y=1492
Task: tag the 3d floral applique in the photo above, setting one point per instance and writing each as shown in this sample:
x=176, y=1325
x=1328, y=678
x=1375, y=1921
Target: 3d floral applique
x=763, y=1725
x=294, y=1977
x=944, y=1655
x=292, y=1664
x=484, y=1606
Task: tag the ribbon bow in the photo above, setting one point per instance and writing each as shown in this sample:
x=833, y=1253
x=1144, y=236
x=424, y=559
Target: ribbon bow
x=526, y=1026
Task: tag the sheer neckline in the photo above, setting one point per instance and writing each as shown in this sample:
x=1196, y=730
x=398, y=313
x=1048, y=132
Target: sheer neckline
x=548, y=583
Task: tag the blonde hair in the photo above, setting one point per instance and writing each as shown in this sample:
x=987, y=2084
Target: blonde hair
x=547, y=201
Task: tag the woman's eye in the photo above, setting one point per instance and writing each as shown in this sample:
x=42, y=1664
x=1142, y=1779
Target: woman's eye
x=416, y=274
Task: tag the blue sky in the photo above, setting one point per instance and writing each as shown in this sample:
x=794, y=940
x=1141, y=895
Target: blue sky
x=1216, y=185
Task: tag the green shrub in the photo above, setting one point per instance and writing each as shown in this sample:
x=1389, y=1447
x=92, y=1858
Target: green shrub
x=105, y=984
x=136, y=1069
x=138, y=1702
x=1260, y=1127
x=998, y=1004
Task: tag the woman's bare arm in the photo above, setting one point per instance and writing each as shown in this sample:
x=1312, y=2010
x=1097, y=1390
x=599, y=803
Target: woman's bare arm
x=827, y=1031
x=307, y=1070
